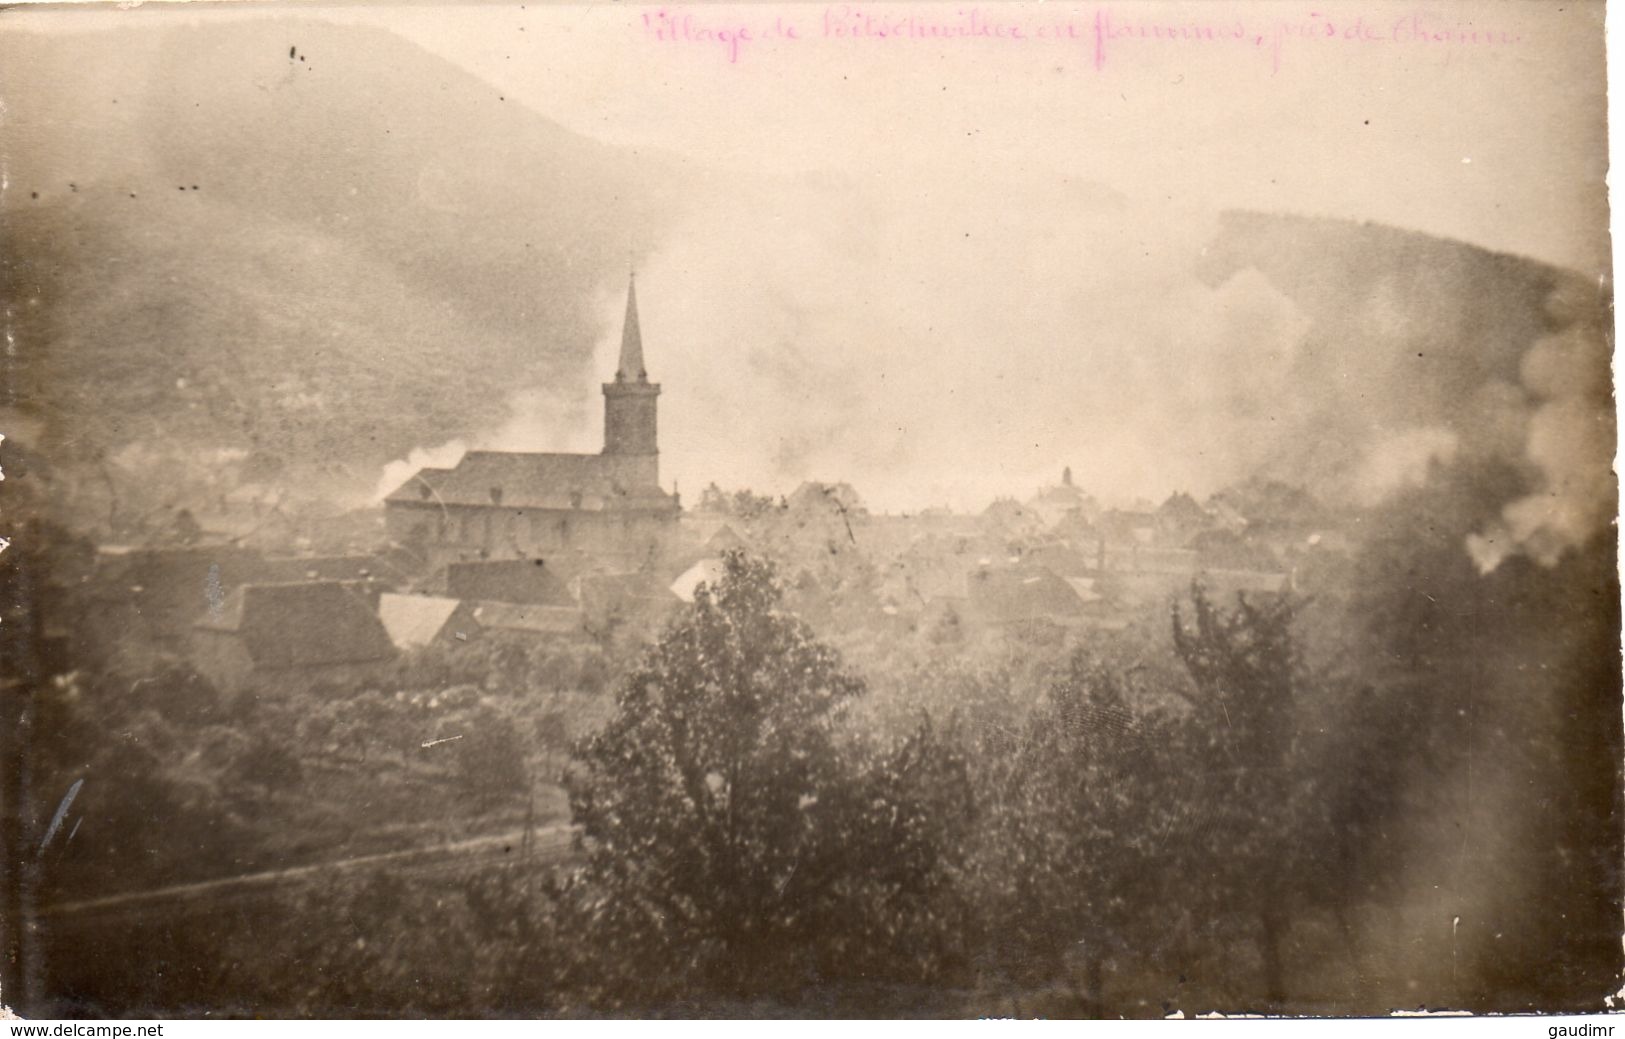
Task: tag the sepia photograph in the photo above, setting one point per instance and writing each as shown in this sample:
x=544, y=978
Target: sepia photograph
x=806, y=510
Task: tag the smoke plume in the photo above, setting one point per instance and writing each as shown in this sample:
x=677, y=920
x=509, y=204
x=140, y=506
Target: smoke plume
x=1571, y=441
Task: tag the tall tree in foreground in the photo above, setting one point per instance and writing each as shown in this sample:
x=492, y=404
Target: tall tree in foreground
x=1246, y=796
x=739, y=842
x=1067, y=863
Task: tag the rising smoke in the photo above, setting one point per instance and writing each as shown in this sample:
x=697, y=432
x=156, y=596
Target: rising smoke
x=1571, y=441
x=932, y=347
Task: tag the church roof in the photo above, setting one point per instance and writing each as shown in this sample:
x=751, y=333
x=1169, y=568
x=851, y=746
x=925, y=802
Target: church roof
x=530, y=480
x=630, y=368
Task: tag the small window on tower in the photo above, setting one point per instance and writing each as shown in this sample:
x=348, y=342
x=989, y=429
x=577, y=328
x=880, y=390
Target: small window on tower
x=496, y=496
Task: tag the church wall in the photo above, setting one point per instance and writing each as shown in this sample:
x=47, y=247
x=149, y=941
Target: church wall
x=464, y=532
x=633, y=471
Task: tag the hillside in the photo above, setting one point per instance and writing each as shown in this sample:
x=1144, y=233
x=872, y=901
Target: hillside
x=1404, y=332
x=322, y=244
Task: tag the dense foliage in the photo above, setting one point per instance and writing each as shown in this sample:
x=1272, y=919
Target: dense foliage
x=739, y=841
x=1259, y=802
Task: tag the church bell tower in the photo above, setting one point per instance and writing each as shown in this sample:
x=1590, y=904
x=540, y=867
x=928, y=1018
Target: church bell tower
x=629, y=405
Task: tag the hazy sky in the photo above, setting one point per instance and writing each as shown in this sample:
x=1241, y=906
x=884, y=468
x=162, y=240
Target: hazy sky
x=1496, y=143
x=1493, y=143
x=970, y=256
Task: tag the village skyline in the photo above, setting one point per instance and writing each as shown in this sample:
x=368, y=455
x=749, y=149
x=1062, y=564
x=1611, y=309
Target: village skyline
x=837, y=306
x=1082, y=510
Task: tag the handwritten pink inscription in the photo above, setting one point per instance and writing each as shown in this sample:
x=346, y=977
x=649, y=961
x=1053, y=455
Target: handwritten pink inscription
x=1101, y=30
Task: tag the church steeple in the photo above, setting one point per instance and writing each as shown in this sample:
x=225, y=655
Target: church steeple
x=631, y=367
x=630, y=405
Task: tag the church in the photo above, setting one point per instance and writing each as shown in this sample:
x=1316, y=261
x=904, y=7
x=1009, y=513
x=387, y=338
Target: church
x=608, y=507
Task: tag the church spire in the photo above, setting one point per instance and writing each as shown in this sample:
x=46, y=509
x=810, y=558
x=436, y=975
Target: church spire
x=631, y=366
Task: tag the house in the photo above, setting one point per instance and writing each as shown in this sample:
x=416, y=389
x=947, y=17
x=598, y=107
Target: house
x=263, y=634
x=514, y=505
x=1136, y=527
x=1009, y=518
x=1180, y=519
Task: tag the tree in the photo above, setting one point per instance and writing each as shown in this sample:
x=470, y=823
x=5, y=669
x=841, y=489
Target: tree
x=742, y=504
x=739, y=841
x=1247, y=796
x=1067, y=863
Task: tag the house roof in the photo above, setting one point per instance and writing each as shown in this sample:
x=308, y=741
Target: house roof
x=530, y=480
x=1181, y=507
x=529, y=581
x=306, y=624
x=812, y=492
x=315, y=568
x=1025, y=593
x=922, y=577
x=724, y=539
x=1084, y=588
x=706, y=571
x=599, y=591
x=1063, y=559
x=1005, y=509
x=414, y=620
x=524, y=617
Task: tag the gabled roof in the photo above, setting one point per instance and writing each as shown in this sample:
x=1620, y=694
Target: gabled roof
x=1084, y=588
x=724, y=539
x=838, y=495
x=706, y=571
x=307, y=624
x=1002, y=508
x=530, y=480
x=529, y=581
x=1025, y=593
x=414, y=620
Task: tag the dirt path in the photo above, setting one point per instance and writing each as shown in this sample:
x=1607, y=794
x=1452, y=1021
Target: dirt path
x=549, y=844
